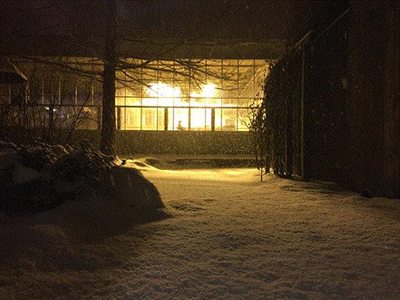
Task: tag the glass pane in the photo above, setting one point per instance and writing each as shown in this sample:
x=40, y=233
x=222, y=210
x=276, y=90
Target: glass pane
x=149, y=118
x=67, y=117
x=97, y=93
x=120, y=92
x=149, y=75
x=170, y=112
x=181, y=119
x=149, y=101
x=132, y=101
x=197, y=119
x=197, y=88
x=181, y=101
x=246, y=81
x=161, y=119
x=214, y=72
x=133, y=89
x=83, y=93
x=245, y=102
x=230, y=80
x=230, y=102
x=166, y=72
x=120, y=101
x=132, y=119
x=51, y=91
x=244, y=119
x=161, y=94
x=182, y=83
x=229, y=119
x=208, y=119
x=165, y=118
x=218, y=119
x=206, y=95
x=87, y=118
x=67, y=90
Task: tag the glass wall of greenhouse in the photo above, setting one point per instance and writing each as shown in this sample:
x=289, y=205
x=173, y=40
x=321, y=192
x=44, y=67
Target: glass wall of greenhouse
x=178, y=95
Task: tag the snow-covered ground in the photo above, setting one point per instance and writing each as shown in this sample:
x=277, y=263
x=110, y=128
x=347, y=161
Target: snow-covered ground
x=224, y=235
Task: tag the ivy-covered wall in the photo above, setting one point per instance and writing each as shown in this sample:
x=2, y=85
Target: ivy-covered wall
x=331, y=107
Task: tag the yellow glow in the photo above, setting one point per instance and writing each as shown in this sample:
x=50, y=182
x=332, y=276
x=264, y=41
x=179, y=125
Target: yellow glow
x=208, y=91
x=163, y=90
x=163, y=95
x=207, y=97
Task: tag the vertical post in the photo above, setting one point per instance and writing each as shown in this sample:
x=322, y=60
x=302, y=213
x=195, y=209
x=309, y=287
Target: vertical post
x=190, y=100
x=289, y=124
x=213, y=119
x=190, y=118
x=158, y=94
x=166, y=118
x=141, y=97
x=302, y=150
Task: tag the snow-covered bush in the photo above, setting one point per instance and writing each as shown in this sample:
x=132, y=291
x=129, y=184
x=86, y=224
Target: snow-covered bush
x=36, y=157
x=82, y=166
x=39, y=177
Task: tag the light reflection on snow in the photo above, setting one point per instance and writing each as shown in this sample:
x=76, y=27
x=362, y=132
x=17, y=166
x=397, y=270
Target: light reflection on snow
x=209, y=174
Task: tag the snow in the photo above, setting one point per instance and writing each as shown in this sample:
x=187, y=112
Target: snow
x=223, y=235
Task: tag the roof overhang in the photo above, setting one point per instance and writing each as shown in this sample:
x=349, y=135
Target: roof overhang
x=146, y=49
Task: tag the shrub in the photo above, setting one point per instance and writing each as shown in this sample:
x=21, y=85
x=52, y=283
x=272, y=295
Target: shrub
x=62, y=175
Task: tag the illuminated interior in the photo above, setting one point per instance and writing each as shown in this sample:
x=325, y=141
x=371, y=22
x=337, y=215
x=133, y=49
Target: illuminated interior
x=213, y=96
x=179, y=95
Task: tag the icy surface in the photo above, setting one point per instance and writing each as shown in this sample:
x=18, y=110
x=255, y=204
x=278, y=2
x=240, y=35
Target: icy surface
x=229, y=237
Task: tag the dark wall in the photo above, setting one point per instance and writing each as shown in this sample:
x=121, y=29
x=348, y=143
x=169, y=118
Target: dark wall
x=373, y=97
x=353, y=100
